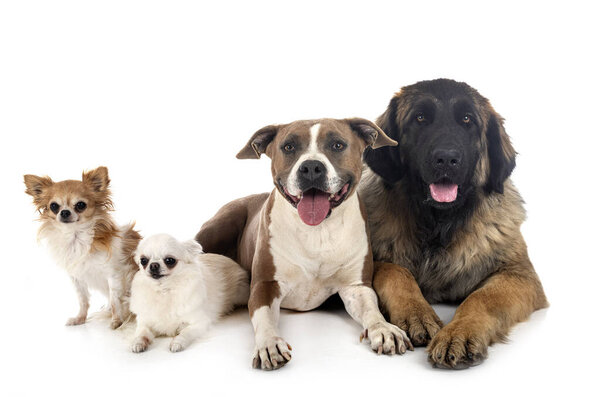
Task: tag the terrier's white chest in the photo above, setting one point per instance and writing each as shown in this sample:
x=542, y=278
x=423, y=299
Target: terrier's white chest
x=314, y=262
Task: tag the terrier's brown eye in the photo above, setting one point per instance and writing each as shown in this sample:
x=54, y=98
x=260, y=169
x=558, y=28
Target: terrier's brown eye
x=144, y=261
x=80, y=206
x=54, y=207
x=338, y=146
x=466, y=119
x=420, y=117
x=289, y=147
x=170, y=262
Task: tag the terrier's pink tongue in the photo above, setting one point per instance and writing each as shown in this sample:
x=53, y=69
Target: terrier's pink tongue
x=314, y=207
x=443, y=193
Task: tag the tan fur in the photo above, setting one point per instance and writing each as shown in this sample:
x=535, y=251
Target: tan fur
x=484, y=265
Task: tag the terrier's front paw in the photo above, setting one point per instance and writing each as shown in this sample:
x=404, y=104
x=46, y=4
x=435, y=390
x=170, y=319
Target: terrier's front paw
x=271, y=353
x=76, y=320
x=387, y=338
x=176, y=345
x=140, y=344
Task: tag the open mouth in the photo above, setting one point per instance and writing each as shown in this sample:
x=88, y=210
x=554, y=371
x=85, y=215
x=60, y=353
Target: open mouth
x=443, y=191
x=315, y=205
x=156, y=276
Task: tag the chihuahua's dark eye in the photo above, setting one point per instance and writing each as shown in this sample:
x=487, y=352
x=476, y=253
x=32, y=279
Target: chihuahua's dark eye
x=80, y=206
x=338, y=146
x=170, y=262
x=289, y=147
x=54, y=207
x=420, y=117
x=144, y=261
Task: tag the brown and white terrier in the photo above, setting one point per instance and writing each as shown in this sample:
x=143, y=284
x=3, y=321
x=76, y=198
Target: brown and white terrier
x=83, y=239
x=308, y=238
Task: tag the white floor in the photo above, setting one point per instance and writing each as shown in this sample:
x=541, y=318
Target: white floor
x=41, y=355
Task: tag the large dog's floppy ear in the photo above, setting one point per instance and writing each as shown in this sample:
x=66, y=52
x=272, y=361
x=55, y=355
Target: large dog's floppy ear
x=386, y=161
x=257, y=145
x=501, y=154
x=370, y=133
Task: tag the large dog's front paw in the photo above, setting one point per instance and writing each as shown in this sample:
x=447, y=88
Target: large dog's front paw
x=419, y=320
x=458, y=345
x=271, y=353
x=387, y=338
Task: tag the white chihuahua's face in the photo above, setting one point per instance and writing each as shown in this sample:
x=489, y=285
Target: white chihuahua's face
x=161, y=255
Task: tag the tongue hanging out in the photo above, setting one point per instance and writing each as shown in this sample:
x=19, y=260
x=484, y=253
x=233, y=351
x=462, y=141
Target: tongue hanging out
x=314, y=207
x=443, y=192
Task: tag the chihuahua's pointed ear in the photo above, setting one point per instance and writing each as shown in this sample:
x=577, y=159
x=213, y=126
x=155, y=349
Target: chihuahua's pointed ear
x=97, y=179
x=501, y=154
x=35, y=185
x=371, y=133
x=192, y=250
x=259, y=142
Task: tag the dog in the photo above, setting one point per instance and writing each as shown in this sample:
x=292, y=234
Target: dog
x=84, y=240
x=180, y=291
x=445, y=222
x=308, y=238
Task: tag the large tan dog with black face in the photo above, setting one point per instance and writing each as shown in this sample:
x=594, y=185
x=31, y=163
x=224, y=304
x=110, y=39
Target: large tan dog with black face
x=308, y=239
x=445, y=216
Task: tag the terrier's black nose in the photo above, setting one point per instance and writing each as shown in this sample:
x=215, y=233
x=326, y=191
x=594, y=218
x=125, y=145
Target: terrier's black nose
x=154, y=267
x=65, y=214
x=311, y=170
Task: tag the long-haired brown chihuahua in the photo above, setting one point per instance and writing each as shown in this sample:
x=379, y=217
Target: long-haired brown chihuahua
x=83, y=238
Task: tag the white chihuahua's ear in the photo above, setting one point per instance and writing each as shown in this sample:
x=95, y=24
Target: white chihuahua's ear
x=192, y=250
x=97, y=179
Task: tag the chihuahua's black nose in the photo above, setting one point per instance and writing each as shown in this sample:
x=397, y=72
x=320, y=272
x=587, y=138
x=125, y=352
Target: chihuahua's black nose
x=154, y=267
x=65, y=214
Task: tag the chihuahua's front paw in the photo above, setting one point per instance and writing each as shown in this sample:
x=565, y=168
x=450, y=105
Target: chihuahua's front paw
x=387, y=338
x=271, y=353
x=177, y=345
x=140, y=344
x=115, y=323
x=76, y=320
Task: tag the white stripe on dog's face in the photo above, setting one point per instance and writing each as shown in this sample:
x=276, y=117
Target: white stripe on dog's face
x=334, y=182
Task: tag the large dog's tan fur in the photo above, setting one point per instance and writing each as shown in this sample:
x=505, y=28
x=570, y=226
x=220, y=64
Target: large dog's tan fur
x=485, y=265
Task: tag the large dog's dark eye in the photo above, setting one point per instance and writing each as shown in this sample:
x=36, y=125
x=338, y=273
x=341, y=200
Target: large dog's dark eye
x=466, y=119
x=289, y=147
x=420, y=117
x=80, y=206
x=338, y=146
x=144, y=261
x=54, y=207
x=170, y=262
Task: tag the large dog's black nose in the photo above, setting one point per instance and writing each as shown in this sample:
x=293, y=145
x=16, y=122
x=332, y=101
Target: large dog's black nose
x=65, y=214
x=311, y=170
x=446, y=158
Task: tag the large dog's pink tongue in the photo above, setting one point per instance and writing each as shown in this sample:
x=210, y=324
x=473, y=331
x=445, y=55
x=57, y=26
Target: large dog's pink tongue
x=314, y=207
x=443, y=193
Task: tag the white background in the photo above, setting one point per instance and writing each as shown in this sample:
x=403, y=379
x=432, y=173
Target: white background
x=166, y=93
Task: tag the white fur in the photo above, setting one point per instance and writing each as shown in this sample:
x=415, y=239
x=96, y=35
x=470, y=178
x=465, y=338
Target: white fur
x=189, y=298
x=334, y=182
x=70, y=246
x=314, y=262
